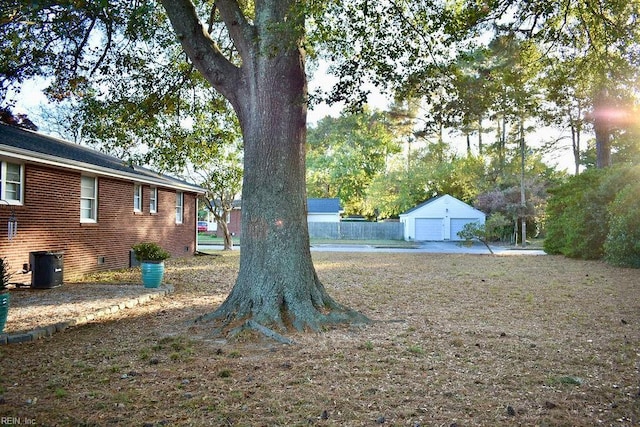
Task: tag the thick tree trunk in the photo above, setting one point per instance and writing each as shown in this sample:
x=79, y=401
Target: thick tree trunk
x=277, y=285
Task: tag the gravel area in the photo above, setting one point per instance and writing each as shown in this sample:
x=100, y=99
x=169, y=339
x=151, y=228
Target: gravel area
x=34, y=308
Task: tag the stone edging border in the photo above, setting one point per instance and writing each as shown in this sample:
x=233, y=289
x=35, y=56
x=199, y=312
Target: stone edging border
x=47, y=331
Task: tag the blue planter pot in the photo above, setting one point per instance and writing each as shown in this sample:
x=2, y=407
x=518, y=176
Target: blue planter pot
x=152, y=273
x=4, y=310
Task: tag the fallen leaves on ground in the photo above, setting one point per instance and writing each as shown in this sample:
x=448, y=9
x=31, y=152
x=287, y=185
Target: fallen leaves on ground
x=458, y=340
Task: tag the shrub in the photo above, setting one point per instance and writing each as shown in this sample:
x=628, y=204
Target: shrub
x=622, y=246
x=573, y=222
x=486, y=232
x=5, y=275
x=578, y=215
x=150, y=252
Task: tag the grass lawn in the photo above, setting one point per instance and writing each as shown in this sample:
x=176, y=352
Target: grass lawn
x=212, y=239
x=464, y=340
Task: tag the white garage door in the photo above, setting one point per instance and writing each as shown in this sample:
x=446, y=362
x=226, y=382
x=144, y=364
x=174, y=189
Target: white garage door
x=429, y=228
x=457, y=224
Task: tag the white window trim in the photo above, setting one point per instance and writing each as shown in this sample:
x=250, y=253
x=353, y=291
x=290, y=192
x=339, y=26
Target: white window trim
x=137, y=197
x=94, y=206
x=3, y=182
x=153, y=200
x=179, y=207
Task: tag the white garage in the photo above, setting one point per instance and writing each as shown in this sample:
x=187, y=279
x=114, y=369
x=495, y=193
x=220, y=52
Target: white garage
x=439, y=219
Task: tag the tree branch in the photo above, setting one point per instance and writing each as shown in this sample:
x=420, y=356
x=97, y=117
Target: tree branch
x=107, y=46
x=202, y=50
x=79, y=48
x=242, y=33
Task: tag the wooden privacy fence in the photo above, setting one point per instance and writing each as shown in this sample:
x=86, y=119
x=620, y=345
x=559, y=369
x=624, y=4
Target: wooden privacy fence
x=357, y=230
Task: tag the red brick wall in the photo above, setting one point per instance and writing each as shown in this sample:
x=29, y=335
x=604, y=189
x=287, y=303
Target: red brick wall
x=49, y=220
x=235, y=222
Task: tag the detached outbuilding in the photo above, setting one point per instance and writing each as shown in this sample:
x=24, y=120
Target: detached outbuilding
x=318, y=211
x=439, y=219
x=323, y=210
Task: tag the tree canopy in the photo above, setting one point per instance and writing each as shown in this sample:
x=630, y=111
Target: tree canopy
x=345, y=154
x=410, y=48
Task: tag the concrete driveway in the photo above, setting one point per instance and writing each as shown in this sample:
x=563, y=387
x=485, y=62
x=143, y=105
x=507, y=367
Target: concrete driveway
x=430, y=247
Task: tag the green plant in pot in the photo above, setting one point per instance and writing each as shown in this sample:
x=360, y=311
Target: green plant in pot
x=151, y=257
x=5, y=277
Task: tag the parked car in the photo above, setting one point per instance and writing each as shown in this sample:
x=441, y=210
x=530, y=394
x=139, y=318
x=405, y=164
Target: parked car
x=202, y=226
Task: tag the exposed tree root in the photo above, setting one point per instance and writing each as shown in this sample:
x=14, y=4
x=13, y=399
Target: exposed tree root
x=267, y=332
x=199, y=253
x=281, y=298
x=232, y=318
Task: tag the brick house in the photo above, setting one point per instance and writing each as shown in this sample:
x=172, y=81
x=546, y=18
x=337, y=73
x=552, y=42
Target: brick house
x=318, y=210
x=234, y=219
x=90, y=206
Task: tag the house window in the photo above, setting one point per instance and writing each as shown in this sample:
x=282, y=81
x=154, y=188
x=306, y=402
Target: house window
x=153, y=200
x=179, y=207
x=12, y=182
x=88, y=199
x=137, y=198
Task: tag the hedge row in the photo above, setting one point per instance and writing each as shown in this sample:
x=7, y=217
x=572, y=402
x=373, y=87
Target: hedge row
x=597, y=215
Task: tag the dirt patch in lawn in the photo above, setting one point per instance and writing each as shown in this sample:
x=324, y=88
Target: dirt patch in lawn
x=458, y=340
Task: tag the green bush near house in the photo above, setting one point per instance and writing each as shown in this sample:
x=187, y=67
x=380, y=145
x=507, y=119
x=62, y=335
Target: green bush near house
x=150, y=251
x=485, y=233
